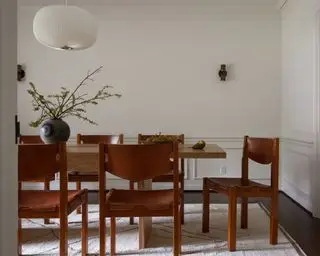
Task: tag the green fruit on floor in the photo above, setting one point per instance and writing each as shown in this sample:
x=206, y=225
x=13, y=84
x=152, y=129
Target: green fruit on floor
x=199, y=145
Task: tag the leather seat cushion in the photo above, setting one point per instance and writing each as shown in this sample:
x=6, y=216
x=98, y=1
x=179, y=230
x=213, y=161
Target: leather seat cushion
x=148, y=200
x=233, y=182
x=44, y=201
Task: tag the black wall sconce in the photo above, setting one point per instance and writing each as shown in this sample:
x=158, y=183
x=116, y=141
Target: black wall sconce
x=223, y=72
x=20, y=73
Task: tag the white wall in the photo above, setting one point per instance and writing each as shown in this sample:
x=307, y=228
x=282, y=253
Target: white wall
x=164, y=59
x=299, y=103
x=8, y=108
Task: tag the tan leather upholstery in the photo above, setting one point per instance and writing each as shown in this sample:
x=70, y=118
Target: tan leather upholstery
x=233, y=182
x=144, y=201
x=46, y=201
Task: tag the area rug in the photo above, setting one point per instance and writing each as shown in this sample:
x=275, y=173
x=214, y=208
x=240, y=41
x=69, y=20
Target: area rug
x=40, y=239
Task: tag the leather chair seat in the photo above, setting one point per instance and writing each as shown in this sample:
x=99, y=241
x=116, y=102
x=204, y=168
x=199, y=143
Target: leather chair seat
x=47, y=201
x=154, y=202
x=232, y=182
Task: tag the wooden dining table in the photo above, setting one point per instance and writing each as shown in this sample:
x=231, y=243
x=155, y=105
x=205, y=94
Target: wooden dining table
x=84, y=158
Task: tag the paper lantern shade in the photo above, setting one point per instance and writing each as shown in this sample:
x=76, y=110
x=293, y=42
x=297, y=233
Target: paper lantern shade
x=65, y=27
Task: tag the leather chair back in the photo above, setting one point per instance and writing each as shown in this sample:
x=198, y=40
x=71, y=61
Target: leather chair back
x=37, y=161
x=263, y=151
x=139, y=162
x=30, y=139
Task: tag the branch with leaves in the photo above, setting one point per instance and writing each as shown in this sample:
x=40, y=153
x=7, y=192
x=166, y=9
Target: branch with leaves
x=68, y=103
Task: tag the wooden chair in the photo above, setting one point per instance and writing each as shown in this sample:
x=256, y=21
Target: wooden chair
x=38, y=161
x=138, y=163
x=35, y=139
x=263, y=151
x=168, y=177
x=79, y=177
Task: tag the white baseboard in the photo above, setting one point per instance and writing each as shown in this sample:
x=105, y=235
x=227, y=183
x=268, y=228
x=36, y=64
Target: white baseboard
x=298, y=195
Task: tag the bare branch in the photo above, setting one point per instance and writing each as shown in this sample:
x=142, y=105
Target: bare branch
x=68, y=103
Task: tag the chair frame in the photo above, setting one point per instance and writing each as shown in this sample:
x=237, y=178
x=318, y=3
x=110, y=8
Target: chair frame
x=166, y=177
x=248, y=188
x=104, y=209
x=36, y=139
x=64, y=207
x=78, y=177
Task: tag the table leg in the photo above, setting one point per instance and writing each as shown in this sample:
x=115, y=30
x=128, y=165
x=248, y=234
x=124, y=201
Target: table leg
x=145, y=223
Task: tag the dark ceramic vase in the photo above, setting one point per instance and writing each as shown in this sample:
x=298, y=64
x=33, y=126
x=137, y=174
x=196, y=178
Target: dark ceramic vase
x=54, y=130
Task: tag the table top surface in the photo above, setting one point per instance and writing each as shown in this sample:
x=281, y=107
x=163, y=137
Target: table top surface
x=185, y=150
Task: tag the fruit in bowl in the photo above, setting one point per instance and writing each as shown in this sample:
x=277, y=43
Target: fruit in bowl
x=199, y=145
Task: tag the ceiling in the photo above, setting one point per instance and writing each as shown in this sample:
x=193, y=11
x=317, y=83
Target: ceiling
x=151, y=2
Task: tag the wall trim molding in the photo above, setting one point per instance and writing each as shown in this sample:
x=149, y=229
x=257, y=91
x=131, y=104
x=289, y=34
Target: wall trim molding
x=298, y=142
x=187, y=139
x=297, y=148
x=190, y=140
x=244, y=3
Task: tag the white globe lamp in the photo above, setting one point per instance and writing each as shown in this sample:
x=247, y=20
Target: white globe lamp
x=65, y=27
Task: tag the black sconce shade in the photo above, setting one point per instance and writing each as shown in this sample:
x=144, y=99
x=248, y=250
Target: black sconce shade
x=223, y=72
x=20, y=73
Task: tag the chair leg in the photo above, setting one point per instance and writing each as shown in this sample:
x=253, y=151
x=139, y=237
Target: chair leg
x=46, y=188
x=19, y=237
x=102, y=233
x=78, y=183
x=63, y=235
x=131, y=219
x=180, y=232
x=177, y=233
x=182, y=201
x=84, y=229
x=274, y=220
x=244, y=212
x=232, y=220
x=112, y=236
x=205, y=206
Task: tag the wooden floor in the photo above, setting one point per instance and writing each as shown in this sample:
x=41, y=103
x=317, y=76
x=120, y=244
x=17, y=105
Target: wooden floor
x=299, y=223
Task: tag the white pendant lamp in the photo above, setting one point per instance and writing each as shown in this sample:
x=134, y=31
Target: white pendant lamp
x=65, y=27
